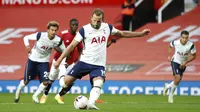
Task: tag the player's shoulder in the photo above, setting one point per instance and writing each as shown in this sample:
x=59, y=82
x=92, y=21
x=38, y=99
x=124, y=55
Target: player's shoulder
x=87, y=26
x=190, y=43
x=176, y=42
x=57, y=38
x=41, y=35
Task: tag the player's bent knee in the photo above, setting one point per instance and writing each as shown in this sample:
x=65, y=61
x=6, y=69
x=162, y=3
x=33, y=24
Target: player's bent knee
x=26, y=82
x=98, y=83
x=45, y=83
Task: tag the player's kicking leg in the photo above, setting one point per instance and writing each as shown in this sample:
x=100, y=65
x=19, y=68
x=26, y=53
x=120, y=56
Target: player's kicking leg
x=95, y=93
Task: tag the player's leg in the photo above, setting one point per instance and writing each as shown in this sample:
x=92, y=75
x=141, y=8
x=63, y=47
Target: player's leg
x=97, y=75
x=53, y=75
x=63, y=71
x=167, y=86
x=77, y=72
x=98, y=100
x=177, y=78
x=29, y=74
x=44, y=72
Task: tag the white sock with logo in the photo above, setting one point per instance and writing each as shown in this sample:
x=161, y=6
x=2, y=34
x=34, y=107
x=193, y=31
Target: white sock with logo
x=40, y=89
x=19, y=88
x=173, y=89
x=96, y=91
x=170, y=85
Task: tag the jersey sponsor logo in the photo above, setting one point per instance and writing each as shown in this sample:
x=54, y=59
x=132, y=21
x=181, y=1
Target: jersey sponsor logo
x=98, y=40
x=182, y=54
x=46, y=48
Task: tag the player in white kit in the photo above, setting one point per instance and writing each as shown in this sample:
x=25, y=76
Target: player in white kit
x=38, y=60
x=185, y=52
x=93, y=58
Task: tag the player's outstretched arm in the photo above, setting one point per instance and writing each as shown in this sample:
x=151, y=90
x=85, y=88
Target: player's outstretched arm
x=130, y=34
x=66, y=52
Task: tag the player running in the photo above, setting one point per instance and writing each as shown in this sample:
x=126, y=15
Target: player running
x=93, y=58
x=38, y=60
x=185, y=52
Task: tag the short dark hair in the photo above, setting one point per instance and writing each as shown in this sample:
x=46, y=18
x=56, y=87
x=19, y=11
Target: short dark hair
x=73, y=19
x=185, y=32
x=98, y=12
x=52, y=23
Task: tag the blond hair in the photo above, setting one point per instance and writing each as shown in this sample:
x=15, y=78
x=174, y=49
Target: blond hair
x=52, y=23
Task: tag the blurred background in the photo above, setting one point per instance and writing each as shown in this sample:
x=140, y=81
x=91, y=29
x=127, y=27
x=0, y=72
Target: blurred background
x=134, y=66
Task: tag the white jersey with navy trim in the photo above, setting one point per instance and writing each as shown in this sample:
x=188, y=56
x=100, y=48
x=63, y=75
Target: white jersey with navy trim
x=182, y=51
x=43, y=46
x=95, y=43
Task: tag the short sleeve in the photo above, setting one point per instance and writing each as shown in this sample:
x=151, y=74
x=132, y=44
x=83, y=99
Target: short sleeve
x=193, y=49
x=172, y=44
x=113, y=30
x=80, y=35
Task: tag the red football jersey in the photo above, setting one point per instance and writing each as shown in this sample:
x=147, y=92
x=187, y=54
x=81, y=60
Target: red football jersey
x=67, y=38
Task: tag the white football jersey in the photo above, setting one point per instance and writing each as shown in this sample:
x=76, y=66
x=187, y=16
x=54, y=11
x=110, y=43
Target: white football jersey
x=95, y=43
x=182, y=51
x=43, y=46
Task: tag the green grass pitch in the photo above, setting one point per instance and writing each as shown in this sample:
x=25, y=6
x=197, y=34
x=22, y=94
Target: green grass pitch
x=112, y=103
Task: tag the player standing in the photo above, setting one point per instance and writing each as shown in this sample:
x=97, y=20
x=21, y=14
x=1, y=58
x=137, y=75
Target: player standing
x=185, y=52
x=66, y=65
x=93, y=58
x=38, y=60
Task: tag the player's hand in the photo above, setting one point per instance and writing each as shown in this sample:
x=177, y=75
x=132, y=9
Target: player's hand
x=169, y=58
x=28, y=48
x=57, y=64
x=146, y=32
x=182, y=66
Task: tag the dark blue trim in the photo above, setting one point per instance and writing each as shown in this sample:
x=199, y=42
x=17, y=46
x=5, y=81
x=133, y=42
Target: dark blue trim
x=38, y=35
x=192, y=47
x=60, y=42
x=173, y=42
x=82, y=33
x=110, y=27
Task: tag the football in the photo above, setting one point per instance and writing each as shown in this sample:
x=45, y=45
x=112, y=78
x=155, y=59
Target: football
x=80, y=102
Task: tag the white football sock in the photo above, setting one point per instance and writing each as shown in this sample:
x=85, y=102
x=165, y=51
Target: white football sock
x=94, y=95
x=173, y=89
x=40, y=89
x=96, y=91
x=19, y=88
x=62, y=82
x=170, y=85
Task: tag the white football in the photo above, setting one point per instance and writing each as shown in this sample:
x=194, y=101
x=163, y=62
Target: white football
x=80, y=102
